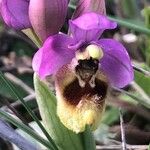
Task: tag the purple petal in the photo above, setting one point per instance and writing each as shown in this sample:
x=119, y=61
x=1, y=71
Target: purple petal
x=47, y=16
x=15, y=13
x=90, y=26
x=85, y=6
x=116, y=63
x=53, y=55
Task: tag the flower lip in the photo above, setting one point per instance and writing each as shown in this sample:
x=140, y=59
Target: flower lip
x=100, y=90
x=83, y=105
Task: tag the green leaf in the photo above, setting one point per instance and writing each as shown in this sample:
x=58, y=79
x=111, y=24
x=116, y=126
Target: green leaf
x=25, y=129
x=64, y=138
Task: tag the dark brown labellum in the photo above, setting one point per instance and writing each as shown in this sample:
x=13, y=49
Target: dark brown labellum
x=81, y=90
x=85, y=71
x=74, y=92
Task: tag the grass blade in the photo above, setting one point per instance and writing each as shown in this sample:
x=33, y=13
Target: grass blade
x=141, y=70
x=28, y=109
x=142, y=101
x=129, y=25
x=25, y=128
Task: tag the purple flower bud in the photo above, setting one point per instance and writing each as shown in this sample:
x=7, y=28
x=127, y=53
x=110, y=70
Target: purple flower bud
x=47, y=16
x=15, y=13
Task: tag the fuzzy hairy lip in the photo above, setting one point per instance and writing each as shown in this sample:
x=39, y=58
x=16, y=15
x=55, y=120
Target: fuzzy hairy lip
x=67, y=85
x=78, y=106
x=74, y=93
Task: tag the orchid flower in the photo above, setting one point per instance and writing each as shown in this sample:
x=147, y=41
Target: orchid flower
x=84, y=66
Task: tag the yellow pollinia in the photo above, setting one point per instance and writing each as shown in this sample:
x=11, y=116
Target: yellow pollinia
x=76, y=106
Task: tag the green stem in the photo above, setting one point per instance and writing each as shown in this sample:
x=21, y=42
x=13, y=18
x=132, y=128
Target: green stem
x=88, y=140
x=37, y=38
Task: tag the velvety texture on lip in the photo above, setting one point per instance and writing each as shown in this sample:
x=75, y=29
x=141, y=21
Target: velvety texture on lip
x=73, y=98
x=60, y=49
x=15, y=13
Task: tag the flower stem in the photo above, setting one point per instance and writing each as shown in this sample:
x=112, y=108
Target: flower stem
x=88, y=140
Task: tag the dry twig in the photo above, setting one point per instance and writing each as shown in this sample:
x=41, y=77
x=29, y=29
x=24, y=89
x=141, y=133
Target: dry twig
x=124, y=147
x=129, y=147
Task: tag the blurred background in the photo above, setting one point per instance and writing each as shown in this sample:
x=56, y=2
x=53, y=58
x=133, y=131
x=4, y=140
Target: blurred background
x=133, y=17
